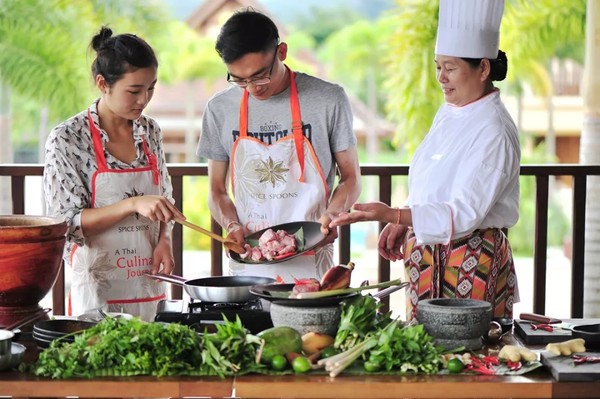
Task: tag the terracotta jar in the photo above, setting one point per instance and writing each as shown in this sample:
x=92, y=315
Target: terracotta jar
x=31, y=249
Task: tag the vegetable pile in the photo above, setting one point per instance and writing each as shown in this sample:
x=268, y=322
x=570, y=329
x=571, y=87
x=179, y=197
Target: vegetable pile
x=121, y=347
x=383, y=344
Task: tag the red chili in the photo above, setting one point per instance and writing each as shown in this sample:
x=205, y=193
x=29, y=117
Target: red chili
x=491, y=360
x=513, y=365
x=578, y=359
x=546, y=327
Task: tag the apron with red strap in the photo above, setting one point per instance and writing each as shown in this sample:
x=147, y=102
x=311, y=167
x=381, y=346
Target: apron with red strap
x=279, y=183
x=108, y=271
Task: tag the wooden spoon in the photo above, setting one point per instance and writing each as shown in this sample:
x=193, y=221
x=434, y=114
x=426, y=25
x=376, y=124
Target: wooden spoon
x=229, y=244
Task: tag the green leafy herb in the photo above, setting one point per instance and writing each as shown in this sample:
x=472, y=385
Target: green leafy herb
x=359, y=316
x=121, y=347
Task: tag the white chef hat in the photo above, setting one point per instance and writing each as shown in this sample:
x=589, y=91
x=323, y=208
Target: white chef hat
x=469, y=28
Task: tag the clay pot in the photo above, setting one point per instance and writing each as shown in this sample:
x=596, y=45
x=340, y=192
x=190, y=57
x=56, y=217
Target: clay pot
x=31, y=249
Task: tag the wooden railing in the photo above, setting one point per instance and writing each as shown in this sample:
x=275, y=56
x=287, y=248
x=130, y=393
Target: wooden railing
x=384, y=174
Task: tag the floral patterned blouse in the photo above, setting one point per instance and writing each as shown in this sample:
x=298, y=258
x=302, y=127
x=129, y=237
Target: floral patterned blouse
x=70, y=164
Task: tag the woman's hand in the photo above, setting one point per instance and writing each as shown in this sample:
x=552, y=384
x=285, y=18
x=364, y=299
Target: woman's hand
x=156, y=207
x=163, y=255
x=367, y=212
x=391, y=240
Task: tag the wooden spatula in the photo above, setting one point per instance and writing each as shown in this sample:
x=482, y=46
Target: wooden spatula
x=229, y=244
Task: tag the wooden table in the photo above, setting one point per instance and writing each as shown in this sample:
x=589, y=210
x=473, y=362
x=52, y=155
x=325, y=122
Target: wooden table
x=537, y=384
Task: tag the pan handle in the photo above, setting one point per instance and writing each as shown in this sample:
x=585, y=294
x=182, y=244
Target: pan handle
x=178, y=280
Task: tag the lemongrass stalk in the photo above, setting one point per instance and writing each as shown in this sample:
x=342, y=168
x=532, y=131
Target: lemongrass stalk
x=343, y=291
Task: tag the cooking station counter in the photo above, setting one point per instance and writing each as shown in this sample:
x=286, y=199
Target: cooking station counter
x=537, y=384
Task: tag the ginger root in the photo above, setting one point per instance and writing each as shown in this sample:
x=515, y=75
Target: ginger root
x=567, y=348
x=517, y=353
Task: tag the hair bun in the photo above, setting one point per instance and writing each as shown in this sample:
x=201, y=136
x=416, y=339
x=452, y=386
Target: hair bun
x=101, y=37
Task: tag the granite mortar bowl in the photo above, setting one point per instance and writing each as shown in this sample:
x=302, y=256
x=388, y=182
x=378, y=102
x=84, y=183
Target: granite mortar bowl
x=455, y=322
x=31, y=248
x=324, y=320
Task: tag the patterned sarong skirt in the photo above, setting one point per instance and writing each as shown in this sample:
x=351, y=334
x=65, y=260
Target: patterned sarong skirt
x=477, y=266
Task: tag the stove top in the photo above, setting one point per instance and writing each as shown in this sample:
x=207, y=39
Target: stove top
x=201, y=315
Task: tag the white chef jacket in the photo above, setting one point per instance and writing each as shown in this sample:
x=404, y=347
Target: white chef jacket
x=465, y=174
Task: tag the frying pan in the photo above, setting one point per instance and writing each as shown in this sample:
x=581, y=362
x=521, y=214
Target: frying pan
x=312, y=238
x=216, y=289
x=279, y=294
x=589, y=332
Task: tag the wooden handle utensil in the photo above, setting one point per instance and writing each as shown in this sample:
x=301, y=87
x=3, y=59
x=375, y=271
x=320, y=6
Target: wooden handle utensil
x=229, y=244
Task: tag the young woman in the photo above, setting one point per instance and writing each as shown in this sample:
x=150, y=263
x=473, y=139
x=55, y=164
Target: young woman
x=105, y=173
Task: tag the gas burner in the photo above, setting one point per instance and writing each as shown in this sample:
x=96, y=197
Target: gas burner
x=251, y=313
x=196, y=306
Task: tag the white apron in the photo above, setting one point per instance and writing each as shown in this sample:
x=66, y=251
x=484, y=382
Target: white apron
x=108, y=269
x=278, y=183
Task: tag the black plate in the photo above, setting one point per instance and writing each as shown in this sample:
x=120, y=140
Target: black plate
x=279, y=294
x=312, y=238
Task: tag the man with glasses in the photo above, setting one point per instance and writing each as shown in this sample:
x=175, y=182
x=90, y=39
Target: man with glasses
x=277, y=137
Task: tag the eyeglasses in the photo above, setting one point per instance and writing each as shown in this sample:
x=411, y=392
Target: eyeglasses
x=256, y=81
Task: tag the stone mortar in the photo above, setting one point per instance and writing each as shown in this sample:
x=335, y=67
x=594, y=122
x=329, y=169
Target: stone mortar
x=324, y=320
x=455, y=322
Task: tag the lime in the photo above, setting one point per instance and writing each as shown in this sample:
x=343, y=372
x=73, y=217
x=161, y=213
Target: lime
x=328, y=352
x=301, y=364
x=455, y=365
x=279, y=362
x=371, y=367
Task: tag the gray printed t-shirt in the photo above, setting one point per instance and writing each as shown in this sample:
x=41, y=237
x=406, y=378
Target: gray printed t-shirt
x=326, y=116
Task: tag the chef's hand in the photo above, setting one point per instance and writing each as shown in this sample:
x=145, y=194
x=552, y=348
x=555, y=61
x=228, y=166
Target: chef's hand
x=367, y=212
x=156, y=207
x=391, y=240
x=163, y=255
x=331, y=233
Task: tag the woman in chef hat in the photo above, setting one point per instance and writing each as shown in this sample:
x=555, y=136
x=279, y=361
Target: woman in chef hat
x=464, y=177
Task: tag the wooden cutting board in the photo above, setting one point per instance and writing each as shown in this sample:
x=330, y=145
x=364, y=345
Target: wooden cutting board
x=563, y=369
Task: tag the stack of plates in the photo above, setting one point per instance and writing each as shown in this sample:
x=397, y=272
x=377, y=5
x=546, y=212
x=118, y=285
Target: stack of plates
x=44, y=332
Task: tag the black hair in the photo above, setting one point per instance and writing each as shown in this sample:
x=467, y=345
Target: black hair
x=498, y=65
x=246, y=31
x=117, y=55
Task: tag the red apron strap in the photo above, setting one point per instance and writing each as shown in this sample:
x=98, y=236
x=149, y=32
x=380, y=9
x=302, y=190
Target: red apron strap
x=297, y=123
x=152, y=161
x=244, y=114
x=97, y=143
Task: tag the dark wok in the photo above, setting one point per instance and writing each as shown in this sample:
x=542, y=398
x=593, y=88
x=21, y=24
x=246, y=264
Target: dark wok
x=216, y=289
x=312, y=238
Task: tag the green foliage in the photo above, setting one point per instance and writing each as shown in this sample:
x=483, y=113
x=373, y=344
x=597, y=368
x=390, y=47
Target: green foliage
x=195, y=208
x=414, y=94
x=322, y=22
x=355, y=56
